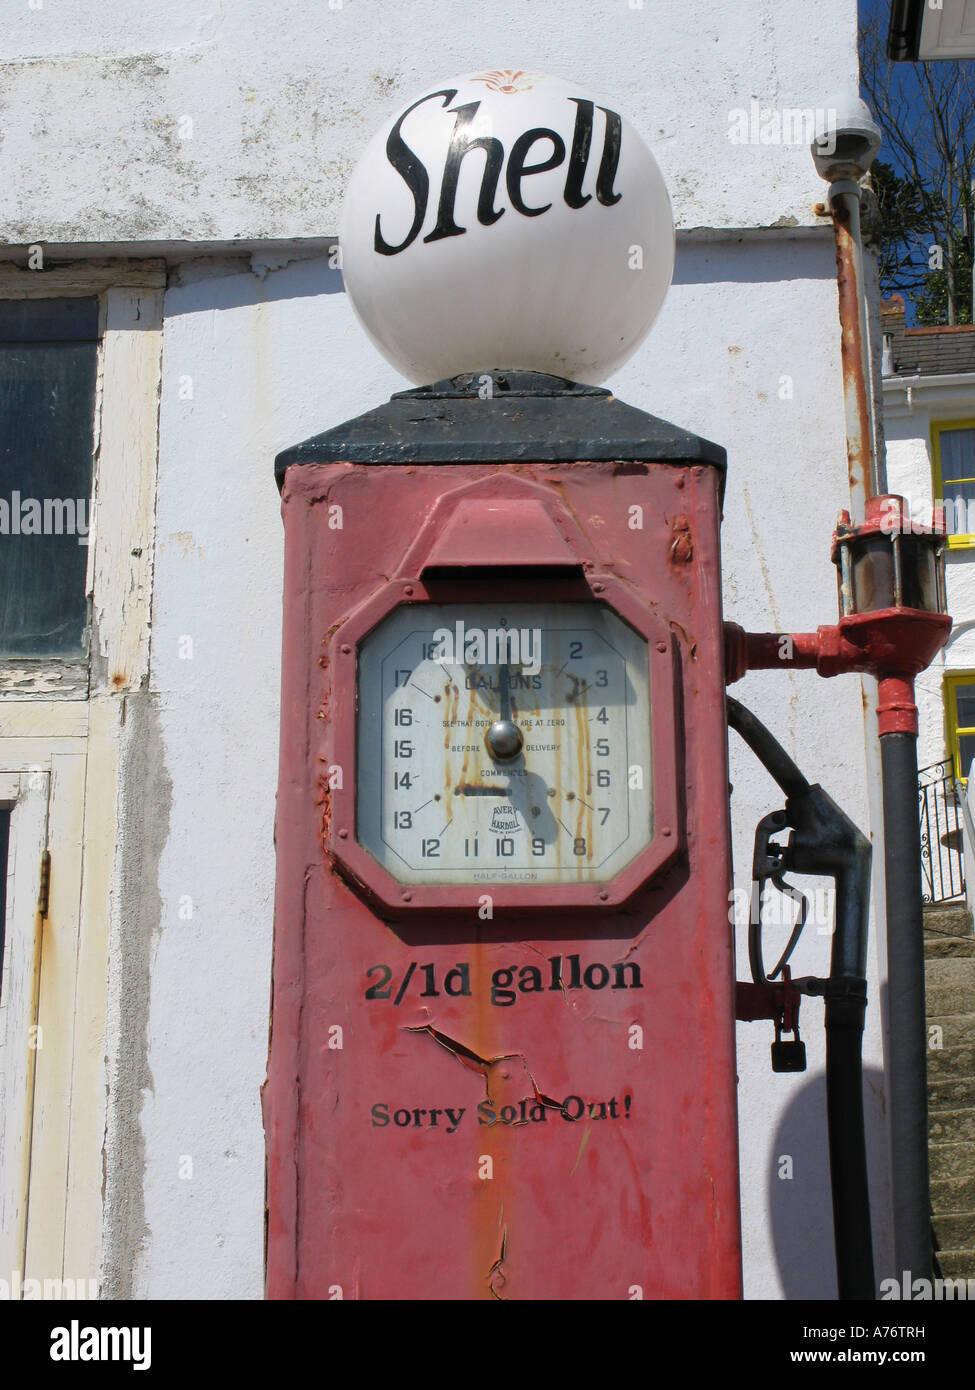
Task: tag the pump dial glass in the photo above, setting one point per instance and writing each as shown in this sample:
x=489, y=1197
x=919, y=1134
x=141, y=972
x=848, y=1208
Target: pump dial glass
x=504, y=743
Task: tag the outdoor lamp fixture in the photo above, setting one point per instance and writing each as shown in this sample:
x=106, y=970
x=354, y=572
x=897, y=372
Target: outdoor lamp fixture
x=920, y=31
x=888, y=563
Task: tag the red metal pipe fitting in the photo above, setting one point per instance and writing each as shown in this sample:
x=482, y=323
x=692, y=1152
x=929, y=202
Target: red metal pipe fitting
x=892, y=644
x=887, y=557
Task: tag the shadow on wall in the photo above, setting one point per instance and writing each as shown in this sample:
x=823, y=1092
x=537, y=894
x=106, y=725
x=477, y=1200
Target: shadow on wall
x=260, y=276
x=236, y=282
x=736, y=262
x=800, y=1201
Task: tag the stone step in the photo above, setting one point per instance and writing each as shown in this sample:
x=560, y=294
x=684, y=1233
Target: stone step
x=958, y=1030
x=950, y=1195
x=949, y=986
x=953, y=1127
x=948, y=919
x=950, y=1064
x=948, y=947
x=951, y=1045
x=951, y=1160
x=957, y=1264
x=955, y=1231
x=950, y=1093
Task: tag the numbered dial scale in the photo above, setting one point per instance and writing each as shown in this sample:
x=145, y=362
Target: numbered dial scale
x=507, y=743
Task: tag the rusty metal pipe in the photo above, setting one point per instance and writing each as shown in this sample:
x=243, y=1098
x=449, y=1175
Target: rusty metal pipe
x=867, y=469
x=897, y=719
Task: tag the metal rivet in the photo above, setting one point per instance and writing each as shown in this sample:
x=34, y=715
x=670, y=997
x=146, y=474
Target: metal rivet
x=661, y=646
x=408, y=589
x=343, y=834
x=666, y=830
x=604, y=895
x=407, y=897
x=346, y=650
x=597, y=588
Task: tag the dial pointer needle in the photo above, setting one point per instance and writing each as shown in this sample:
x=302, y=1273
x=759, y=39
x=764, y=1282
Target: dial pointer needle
x=504, y=738
x=505, y=682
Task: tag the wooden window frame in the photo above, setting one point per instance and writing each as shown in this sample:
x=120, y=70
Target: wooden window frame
x=955, y=541
x=26, y=793
x=953, y=730
x=65, y=726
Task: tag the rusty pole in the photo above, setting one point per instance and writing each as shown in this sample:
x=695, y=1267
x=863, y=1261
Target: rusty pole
x=906, y=1040
x=867, y=468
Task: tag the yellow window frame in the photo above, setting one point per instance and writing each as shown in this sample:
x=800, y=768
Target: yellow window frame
x=954, y=730
x=955, y=541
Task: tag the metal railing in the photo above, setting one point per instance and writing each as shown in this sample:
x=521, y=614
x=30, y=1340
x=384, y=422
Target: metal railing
x=942, y=834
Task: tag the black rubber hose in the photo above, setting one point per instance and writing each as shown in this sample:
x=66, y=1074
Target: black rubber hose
x=767, y=749
x=907, y=1025
x=825, y=841
x=847, y=1149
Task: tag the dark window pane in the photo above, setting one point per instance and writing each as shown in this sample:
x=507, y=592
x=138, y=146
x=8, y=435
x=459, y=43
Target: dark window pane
x=47, y=403
x=959, y=500
x=965, y=705
x=957, y=454
x=48, y=320
x=4, y=843
x=966, y=749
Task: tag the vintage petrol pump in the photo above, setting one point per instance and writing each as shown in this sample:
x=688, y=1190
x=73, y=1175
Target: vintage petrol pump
x=503, y=1034
x=502, y=1056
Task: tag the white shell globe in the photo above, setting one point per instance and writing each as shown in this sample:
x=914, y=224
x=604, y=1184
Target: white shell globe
x=507, y=219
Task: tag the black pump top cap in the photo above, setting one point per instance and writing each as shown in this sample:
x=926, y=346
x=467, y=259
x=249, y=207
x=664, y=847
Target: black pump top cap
x=504, y=417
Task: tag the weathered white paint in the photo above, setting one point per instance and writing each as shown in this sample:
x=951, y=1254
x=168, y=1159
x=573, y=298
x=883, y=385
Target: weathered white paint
x=92, y=1043
x=120, y=545
x=17, y=754
x=98, y=96
x=45, y=723
x=48, y=1192
x=18, y=1005
x=43, y=719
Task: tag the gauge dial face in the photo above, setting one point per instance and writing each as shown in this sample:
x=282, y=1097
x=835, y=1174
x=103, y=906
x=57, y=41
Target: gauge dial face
x=504, y=743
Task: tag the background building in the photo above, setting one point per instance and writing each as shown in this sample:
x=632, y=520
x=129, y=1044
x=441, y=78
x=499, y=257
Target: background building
x=929, y=422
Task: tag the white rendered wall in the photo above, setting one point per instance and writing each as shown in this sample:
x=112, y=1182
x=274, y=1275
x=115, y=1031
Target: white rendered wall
x=96, y=96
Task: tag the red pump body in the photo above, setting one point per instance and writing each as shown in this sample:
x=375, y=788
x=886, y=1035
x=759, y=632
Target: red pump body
x=540, y=1104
